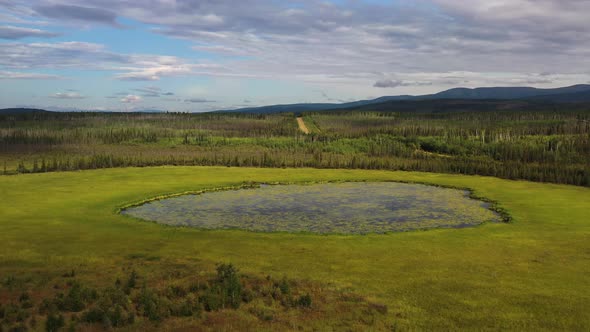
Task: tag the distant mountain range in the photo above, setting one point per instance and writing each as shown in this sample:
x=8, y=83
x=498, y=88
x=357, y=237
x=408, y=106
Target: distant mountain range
x=457, y=99
x=574, y=93
x=8, y=111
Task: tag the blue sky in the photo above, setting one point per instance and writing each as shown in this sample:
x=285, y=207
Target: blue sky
x=191, y=55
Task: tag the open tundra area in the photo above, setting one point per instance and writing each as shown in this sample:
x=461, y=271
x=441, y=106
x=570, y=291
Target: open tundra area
x=297, y=165
x=372, y=220
x=63, y=229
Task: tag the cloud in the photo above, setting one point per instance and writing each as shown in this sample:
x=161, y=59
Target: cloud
x=149, y=91
x=153, y=68
x=12, y=32
x=67, y=95
x=118, y=95
x=56, y=55
x=8, y=18
x=219, y=49
x=152, y=92
x=129, y=99
x=77, y=13
x=346, y=48
x=10, y=75
x=198, y=100
x=388, y=84
x=92, y=56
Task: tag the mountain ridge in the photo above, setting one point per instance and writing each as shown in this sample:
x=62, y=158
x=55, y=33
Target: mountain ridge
x=578, y=93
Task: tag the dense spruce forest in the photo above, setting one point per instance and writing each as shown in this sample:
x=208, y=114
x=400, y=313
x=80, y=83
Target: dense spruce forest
x=538, y=145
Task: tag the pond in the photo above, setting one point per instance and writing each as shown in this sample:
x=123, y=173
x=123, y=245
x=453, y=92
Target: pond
x=345, y=208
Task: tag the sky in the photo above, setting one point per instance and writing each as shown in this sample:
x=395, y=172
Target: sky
x=203, y=55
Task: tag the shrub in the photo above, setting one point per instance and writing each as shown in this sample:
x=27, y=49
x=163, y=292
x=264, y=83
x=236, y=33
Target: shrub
x=247, y=295
x=10, y=313
x=94, y=315
x=131, y=283
x=186, y=308
x=380, y=308
x=22, y=315
x=19, y=328
x=47, y=306
x=304, y=301
x=212, y=300
x=284, y=286
x=54, y=322
x=72, y=326
x=76, y=299
x=111, y=309
x=176, y=291
x=70, y=274
x=262, y=312
x=116, y=316
x=25, y=301
x=231, y=288
x=152, y=306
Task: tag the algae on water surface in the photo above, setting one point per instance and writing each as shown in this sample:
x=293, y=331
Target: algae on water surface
x=345, y=208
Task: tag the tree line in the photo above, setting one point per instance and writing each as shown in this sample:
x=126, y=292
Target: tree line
x=547, y=146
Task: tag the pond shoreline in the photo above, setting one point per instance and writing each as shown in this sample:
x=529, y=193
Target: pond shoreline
x=500, y=214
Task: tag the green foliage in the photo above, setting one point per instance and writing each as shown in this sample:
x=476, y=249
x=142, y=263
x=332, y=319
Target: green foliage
x=230, y=286
x=76, y=299
x=70, y=274
x=284, y=286
x=25, y=301
x=54, y=322
x=543, y=145
x=432, y=280
x=152, y=306
x=190, y=306
x=116, y=307
x=212, y=299
x=11, y=313
x=131, y=282
x=304, y=301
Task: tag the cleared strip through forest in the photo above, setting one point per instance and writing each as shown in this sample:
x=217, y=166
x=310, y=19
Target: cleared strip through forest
x=302, y=125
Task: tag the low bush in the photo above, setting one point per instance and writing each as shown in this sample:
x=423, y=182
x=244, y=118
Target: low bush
x=304, y=301
x=54, y=322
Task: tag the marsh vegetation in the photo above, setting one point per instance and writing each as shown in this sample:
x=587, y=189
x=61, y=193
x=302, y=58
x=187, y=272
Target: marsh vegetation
x=210, y=301
x=344, y=208
x=492, y=277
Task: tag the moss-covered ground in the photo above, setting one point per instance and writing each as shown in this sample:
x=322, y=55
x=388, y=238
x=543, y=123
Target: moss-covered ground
x=530, y=274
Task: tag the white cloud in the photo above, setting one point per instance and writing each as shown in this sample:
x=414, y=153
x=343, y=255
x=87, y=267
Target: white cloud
x=13, y=32
x=67, y=95
x=198, y=100
x=347, y=49
x=387, y=83
x=129, y=99
x=10, y=75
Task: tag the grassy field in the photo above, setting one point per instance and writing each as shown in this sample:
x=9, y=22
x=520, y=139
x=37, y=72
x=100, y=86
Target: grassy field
x=532, y=274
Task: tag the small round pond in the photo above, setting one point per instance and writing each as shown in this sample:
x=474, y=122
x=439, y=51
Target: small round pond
x=346, y=208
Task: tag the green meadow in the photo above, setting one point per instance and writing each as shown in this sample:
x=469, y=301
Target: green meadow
x=530, y=274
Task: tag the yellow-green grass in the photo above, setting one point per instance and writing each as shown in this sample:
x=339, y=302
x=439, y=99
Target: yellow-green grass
x=531, y=274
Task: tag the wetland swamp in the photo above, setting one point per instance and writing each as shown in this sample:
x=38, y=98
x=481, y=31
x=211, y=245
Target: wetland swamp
x=343, y=208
